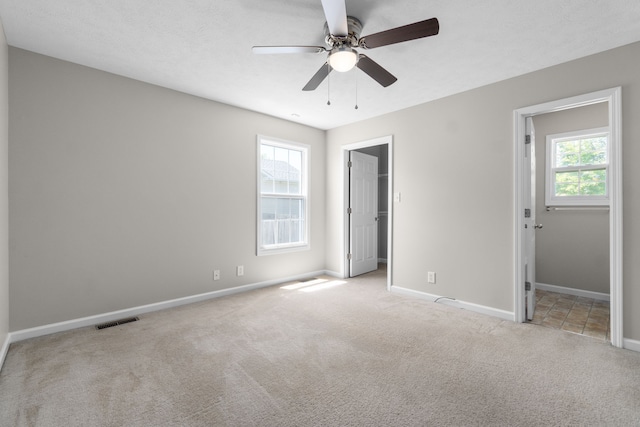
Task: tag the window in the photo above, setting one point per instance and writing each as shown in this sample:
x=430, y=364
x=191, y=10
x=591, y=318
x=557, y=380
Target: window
x=577, y=168
x=283, y=202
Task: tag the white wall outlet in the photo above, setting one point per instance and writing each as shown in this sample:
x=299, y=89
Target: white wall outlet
x=216, y=274
x=396, y=197
x=240, y=270
x=431, y=277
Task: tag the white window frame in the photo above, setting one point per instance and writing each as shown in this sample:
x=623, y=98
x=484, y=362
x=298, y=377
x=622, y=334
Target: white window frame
x=304, y=183
x=550, y=170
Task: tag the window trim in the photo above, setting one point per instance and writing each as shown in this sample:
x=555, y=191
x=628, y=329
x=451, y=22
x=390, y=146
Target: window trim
x=262, y=250
x=550, y=198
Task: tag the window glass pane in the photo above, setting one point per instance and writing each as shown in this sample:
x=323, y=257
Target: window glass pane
x=592, y=189
x=267, y=183
x=566, y=189
x=295, y=159
x=568, y=177
x=581, y=183
x=567, y=183
x=593, y=157
x=295, y=166
x=281, y=154
x=567, y=153
x=282, y=185
x=595, y=144
x=268, y=215
x=597, y=175
x=268, y=208
x=282, y=221
x=588, y=151
x=592, y=183
x=267, y=168
x=282, y=170
x=593, y=151
x=266, y=152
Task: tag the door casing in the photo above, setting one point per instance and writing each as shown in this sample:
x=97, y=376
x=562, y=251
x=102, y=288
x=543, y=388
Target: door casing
x=613, y=98
x=385, y=140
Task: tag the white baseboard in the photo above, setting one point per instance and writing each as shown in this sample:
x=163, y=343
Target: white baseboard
x=571, y=291
x=134, y=311
x=4, y=350
x=334, y=274
x=630, y=344
x=490, y=311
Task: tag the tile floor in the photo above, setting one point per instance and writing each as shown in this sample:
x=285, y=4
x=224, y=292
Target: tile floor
x=571, y=313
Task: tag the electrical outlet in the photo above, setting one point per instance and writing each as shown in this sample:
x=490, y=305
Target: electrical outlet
x=396, y=197
x=431, y=277
x=216, y=274
x=240, y=270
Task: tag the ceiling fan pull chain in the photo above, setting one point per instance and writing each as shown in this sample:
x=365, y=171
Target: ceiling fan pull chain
x=356, y=74
x=328, y=84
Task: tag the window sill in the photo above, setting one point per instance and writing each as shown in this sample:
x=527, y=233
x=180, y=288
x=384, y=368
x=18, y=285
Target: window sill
x=283, y=249
x=577, y=208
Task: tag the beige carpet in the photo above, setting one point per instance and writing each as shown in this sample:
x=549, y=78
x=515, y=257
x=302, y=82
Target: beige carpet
x=346, y=354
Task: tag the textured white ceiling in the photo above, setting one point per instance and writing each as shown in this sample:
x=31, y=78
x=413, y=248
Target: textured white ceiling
x=203, y=47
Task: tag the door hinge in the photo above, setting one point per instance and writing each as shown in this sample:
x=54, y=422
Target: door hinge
x=349, y=257
x=349, y=211
x=349, y=164
x=527, y=213
x=527, y=286
x=527, y=139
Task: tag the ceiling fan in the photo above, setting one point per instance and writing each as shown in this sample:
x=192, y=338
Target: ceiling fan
x=342, y=36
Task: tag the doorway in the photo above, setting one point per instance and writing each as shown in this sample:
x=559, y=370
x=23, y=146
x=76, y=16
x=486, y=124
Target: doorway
x=382, y=149
x=522, y=242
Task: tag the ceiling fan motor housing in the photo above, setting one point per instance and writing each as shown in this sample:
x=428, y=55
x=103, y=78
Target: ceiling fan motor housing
x=355, y=28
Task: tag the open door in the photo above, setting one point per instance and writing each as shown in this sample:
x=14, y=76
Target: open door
x=530, y=219
x=363, y=217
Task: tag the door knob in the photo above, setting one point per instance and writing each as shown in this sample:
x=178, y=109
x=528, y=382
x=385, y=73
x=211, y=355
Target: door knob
x=538, y=226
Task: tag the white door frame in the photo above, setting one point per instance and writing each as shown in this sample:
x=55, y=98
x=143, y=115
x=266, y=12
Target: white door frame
x=613, y=98
x=388, y=140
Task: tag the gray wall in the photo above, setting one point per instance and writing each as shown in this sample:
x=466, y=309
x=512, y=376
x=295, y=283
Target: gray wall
x=453, y=164
x=4, y=198
x=122, y=193
x=572, y=248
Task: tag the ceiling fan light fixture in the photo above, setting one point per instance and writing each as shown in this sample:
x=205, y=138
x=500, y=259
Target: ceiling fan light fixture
x=343, y=58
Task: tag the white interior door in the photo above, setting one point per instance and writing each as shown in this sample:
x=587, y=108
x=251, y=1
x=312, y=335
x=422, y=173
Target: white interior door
x=530, y=219
x=363, y=196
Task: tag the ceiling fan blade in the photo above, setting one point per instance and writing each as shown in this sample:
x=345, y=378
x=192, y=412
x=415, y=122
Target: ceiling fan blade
x=417, y=30
x=287, y=49
x=318, y=77
x=336, y=13
x=375, y=71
